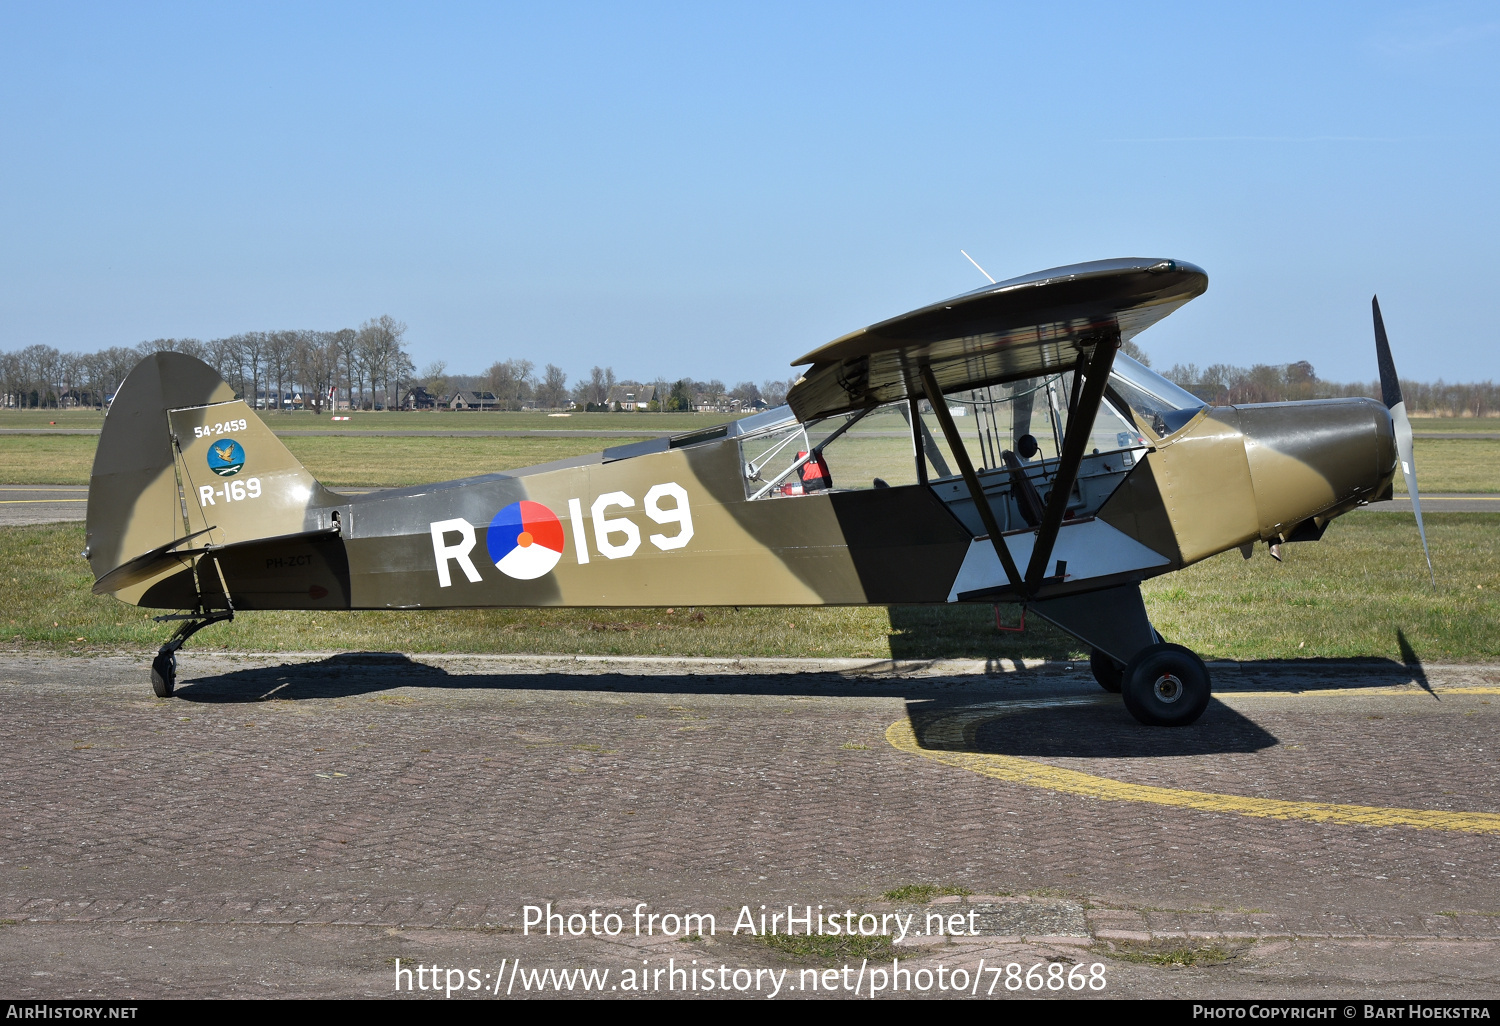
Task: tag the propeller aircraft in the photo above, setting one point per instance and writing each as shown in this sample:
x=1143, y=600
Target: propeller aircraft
x=993, y=447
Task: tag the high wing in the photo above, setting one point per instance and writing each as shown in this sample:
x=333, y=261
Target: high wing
x=1037, y=324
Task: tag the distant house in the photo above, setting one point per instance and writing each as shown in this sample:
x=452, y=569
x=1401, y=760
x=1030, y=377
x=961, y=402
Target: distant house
x=418, y=398
x=473, y=401
x=78, y=397
x=631, y=397
x=710, y=402
x=266, y=400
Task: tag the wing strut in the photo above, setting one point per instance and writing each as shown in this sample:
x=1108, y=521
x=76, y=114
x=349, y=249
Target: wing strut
x=966, y=468
x=923, y=445
x=913, y=417
x=1075, y=445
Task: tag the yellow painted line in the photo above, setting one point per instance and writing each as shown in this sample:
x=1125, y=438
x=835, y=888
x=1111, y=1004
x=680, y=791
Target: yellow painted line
x=1399, y=689
x=22, y=502
x=1015, y=770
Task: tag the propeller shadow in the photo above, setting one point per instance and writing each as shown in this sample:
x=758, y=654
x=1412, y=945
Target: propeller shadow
x=1412, y=664
x=1317, y=674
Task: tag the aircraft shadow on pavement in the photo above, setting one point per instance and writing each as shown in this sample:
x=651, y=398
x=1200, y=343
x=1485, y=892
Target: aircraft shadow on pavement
x=363, y=673
x=1010, y=720
x=1093, y=728
x=982, y=714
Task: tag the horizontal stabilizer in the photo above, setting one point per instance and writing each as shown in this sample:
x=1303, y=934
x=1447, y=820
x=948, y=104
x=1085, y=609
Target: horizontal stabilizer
x=148, y=565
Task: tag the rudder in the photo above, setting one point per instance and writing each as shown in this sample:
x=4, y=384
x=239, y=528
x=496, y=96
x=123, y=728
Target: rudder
x=184, y=467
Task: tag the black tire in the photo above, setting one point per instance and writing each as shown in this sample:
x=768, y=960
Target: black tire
x=1166, y=685
x=1107, y=672
x=164, y=674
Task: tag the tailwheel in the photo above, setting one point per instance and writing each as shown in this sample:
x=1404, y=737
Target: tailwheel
x=164, y=666
x=1166, y=685
x=164, y=673
x=1107, y=672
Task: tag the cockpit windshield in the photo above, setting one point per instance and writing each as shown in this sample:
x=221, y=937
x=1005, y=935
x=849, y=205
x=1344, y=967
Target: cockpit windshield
x=1158, y=403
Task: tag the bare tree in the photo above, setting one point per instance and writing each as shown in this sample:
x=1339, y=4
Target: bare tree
x=596, y=389
x=70, y=375
x=12, y=379
x=41, y=367
x=433, y=380
x=344, y=342
x=553, y=390
x=317, y=367
x=227, y=356
x=774, y=392
x=372, y=364
x=114, y=364
x=253, y=353
x=511, y=381
x=748, y=393
x=281, y=355
x=386, y=362
x=1135, y=352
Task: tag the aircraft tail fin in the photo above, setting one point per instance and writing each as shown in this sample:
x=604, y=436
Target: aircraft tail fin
x=184, y=467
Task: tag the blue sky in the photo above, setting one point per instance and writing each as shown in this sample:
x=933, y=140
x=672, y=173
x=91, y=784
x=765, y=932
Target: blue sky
x=714, y=189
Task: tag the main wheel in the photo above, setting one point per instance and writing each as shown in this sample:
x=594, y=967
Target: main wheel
x=164, y=674
x=1107, y=672
x=1166, y=685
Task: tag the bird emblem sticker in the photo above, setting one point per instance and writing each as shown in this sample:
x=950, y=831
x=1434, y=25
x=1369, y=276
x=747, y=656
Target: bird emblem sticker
x=525, y=540
x=226, y=458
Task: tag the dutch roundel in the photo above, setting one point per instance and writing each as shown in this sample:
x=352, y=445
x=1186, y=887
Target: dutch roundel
x=525, y=540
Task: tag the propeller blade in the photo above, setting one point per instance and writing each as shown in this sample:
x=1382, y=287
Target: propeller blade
x=1390, y=392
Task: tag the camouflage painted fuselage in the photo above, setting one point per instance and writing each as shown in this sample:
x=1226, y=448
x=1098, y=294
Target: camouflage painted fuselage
x=178, y=515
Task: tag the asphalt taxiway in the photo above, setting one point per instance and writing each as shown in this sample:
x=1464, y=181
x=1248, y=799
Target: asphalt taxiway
x=291, y=826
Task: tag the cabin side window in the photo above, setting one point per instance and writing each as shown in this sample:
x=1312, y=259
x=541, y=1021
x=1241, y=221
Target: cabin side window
x=867, y=449
x=1016, y=426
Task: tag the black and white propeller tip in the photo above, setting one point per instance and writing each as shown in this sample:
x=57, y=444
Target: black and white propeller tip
x=1390, y=393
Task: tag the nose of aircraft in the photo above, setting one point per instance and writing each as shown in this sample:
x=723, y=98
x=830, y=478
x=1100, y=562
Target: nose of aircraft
x=1316, y=459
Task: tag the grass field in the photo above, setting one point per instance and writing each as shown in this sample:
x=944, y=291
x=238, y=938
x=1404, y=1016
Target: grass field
x=336, y=460
x=1357, y=593
x=431, y=420
x=353, y=461
x=427, y=420
x=1447, y=425
x=1444, y=465
x=1455, y=465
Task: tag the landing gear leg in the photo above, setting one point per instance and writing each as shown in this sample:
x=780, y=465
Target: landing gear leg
x=164, y=666
x=1107, y=672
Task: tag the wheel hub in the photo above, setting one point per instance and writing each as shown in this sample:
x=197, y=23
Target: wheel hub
x=1168, y=688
